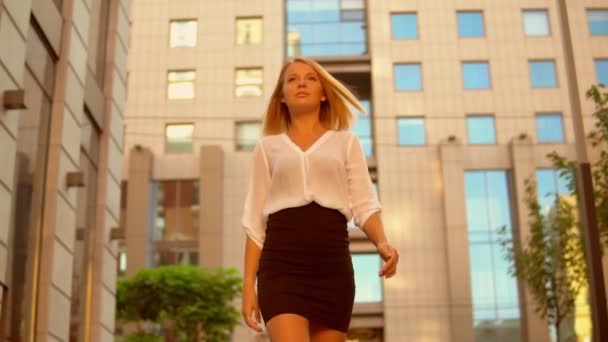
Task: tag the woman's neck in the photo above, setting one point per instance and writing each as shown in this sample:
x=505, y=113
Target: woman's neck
x=306, y=123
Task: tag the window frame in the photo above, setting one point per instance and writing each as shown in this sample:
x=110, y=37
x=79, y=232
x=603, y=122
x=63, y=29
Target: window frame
x=236, y=29
x=541, y=60
x=237, y=146
x=166, y=137
x=594, y=9
x=562, y=125
x=183, y=20
x=489, y=74
x=424, y=130
x=547, y=16
x=417, y=37
x=193, y=81
x=482, y=115
x=236, y=86
x=421, y=78
x=471, y=11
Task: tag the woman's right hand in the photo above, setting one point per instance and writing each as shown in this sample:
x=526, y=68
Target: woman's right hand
x=250, y=309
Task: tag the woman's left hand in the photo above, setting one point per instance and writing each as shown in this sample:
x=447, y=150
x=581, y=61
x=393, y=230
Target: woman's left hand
x=390, y=255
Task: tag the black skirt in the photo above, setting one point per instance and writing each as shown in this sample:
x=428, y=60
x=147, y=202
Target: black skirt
x=306, y=268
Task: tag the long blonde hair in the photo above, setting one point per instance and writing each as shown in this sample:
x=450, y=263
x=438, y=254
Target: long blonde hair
x=335, y=114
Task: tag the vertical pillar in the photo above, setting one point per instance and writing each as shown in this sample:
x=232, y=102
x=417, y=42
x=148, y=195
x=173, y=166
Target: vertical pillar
x=459, y=281
x=211, y=193
x=138, y=220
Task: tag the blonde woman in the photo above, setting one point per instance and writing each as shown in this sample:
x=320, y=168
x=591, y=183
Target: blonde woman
x=309, y=178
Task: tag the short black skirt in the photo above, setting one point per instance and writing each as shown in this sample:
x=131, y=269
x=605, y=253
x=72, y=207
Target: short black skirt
x=306, y=268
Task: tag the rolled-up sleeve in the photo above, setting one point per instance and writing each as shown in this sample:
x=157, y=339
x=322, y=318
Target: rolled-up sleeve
x=254, y=222
x=362, y=195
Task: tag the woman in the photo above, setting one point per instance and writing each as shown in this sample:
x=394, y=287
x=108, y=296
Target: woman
x=309, y=178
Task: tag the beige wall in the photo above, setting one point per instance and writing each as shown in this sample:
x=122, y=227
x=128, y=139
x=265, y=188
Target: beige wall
x=73, y=89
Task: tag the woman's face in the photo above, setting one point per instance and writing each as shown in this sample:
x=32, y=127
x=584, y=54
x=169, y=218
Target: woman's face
x=302, y=89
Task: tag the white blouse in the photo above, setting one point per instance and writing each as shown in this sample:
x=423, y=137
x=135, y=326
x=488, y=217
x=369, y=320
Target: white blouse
x=331, y=172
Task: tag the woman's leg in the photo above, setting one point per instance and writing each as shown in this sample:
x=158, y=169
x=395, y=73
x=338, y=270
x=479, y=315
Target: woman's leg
x=288, y=328
x=320, y=333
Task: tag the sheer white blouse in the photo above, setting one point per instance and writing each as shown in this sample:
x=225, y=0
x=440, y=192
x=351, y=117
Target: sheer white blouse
x=331, y=172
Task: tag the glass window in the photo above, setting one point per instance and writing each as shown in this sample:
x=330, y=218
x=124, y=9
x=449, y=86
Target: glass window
x=481, y=129
x=177, y=211
x=363, y=128
x=408, y=77
x=248, y=82
x=494, y=291
x=542, y=74
x=249, y=31
x=601, y=71
x=411, y=131
x=183, y=33
x=181, y=84
x=476, y=75
x=549, y=127
x=326, y=28
x=536, y=23
x=179, y=138
x=367, y=282
x=548, y=185
x=598, y=22
x=404, y=25
x=470, y=24
x=247, y=135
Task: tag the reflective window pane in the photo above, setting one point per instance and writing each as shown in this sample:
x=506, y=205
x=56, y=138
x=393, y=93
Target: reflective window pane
x=363, y=128
x=408, y=77
x=494, y=292
x=549, y=184
x=367, y=282
x=601, y=71
x=183, y=33
x=326, y=28
x=476, y=75
x=248, y=82
x=411, y=131
x=536, y=23
x=470, y=24
x=549, y=128
x=179, y=138
x=404, y=25
x=181, y=84
x=249, y=31
x=481, y=130
x=177, y=211
x=542, y=74
x=247, y=135
x=598, y=22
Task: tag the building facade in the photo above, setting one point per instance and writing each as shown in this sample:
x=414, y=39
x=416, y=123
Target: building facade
x=63, y=82
x=465, y=99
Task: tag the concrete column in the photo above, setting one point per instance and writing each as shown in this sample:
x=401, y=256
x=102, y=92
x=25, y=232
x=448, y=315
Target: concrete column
x=459, y=281
x=523, y=161
x=211, y=195
x=137, y=239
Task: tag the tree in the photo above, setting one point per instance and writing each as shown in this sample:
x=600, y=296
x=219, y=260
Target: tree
x=186, y=302
x=552, y=262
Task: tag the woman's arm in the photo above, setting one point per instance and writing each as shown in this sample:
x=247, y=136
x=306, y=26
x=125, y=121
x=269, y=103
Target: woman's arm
x=250, y=299
x=374, y=230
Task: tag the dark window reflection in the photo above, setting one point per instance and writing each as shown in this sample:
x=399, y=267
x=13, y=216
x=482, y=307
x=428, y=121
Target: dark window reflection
x=177, y=211
x=85, y=229
x=495, y=295
x=326, y=28
x=31, y=160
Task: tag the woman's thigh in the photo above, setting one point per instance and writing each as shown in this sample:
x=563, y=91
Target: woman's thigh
x=320, y=333
x=288, y=328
